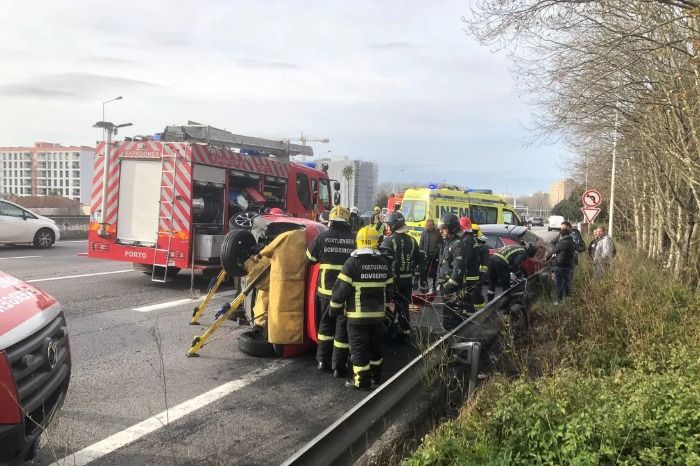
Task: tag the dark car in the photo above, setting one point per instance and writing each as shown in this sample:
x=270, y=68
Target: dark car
x=537, y=222
x=505, y=235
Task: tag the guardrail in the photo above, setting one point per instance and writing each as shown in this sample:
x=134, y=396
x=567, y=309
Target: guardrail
x=347, y=439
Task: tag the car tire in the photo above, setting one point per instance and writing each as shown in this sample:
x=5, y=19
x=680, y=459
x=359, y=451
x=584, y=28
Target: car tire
x=255, y=344
x=44, y=238
x=237, y=247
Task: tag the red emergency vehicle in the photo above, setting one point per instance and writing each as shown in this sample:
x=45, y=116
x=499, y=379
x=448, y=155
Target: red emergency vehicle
x=35, y=366
x=394, y=202
x=169, y=203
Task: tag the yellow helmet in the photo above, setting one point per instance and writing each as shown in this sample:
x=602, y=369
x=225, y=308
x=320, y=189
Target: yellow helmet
x=367, y=237
x=339, y=214
x=476, y=229
x=377, y=210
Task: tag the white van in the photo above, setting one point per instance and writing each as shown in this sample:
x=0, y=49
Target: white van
x=555, y=222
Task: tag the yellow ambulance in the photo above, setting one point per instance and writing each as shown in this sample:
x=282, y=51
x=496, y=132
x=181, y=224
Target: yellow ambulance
x=480, y=205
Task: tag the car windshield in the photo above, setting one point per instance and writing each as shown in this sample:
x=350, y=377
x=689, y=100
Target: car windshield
x=414, y=211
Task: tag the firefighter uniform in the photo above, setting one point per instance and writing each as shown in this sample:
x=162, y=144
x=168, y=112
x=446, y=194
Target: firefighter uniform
x=331, y=248
x=506, y=260
x=451, y=269
x=483, y=253
x=363, y=288
x=471, y=270
x=403, y=252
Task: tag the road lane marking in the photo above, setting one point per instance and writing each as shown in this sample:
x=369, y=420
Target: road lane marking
x=177, y=302
x=77, y=276
x=152, y=424
x=18, y=257
x=73, y=241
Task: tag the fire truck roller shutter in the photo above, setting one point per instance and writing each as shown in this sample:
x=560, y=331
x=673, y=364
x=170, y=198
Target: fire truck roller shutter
x=139, y=207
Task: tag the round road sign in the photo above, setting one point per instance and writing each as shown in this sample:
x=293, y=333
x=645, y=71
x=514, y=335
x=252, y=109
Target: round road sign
x=591, y=198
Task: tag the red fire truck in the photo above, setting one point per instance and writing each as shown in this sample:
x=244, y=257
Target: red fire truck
x=166, y=204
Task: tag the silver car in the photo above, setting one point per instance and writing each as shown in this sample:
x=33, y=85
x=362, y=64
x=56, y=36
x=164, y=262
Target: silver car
x=19, y=225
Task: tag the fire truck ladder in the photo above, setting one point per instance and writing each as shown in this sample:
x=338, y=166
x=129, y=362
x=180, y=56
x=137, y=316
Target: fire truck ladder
x=167, y=191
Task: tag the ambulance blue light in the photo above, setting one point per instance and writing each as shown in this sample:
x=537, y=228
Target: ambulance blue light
x=432, y=186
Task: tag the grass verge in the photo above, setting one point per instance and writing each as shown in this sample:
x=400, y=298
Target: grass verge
x=612, y=377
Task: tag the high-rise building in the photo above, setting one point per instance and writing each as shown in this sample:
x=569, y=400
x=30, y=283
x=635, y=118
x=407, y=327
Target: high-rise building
x=361, y=188
x=560, y=190
x=47, y=169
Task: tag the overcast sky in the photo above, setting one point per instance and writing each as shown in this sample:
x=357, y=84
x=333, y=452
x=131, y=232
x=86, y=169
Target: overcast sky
x=397, y=82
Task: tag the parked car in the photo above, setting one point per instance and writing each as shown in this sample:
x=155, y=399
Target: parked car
x=19, y=225
x=537, y=222
x=35, y=366
x=504, y=235
x=555, y=222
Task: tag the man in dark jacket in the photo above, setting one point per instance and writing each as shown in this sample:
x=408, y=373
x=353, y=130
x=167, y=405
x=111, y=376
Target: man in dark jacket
x=564, y=256
x=363, y=289
x=402, y=251
x=431, y=245
x=451, y=269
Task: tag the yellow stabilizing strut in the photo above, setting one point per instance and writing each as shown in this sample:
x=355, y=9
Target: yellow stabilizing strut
x=199, y=341
x=200, y=308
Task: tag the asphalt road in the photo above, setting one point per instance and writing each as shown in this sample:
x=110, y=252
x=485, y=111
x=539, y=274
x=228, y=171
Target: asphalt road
x=129, y=366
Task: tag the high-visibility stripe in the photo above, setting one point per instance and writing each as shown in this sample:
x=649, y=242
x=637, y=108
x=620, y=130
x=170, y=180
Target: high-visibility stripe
x=483, y=268
x=322, y=337
x=369, y=284
x=310, y=257
x=345, y=278
x=364, y=314
x=390, y=281
x=330, y=267
x=358, y=369
x=335, y=305
x=340, y=344
x=472, y=278
x=406, y=275
x=378, y=362
x=324, y=291
x=453, y=282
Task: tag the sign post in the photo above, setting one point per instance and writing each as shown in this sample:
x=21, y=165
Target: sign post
x=591, y=200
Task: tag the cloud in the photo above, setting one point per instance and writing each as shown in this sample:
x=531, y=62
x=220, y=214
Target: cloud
x=70, y=85
x=394, y=46
x=264, y=64
x=103, y=60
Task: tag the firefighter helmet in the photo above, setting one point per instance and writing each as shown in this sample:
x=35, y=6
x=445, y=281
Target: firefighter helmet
x=276, y=211
x=354, y=210
x=367, y=237
x=339, y=214
x=531, y=249
x=396, y=221
x=449, y=222
x=465, y=224
x=476, y=230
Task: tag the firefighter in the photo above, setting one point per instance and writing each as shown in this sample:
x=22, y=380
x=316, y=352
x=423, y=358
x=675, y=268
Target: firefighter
x=507, y=260
x=363, y=288
x=355, y=221
x=377, y=220
x=330, y=249
x=471, y=264
x=403, y=252
x=483, y=253
x=451, y=268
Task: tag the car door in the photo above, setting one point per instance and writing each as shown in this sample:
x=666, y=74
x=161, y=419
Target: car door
x=13, y=226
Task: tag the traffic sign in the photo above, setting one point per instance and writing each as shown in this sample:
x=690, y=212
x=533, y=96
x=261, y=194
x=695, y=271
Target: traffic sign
x=591, y=198
x=590, y=213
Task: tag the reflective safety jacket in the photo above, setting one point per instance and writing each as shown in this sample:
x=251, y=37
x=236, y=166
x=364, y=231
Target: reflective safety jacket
x=451, y=269
x=483, y=249
x=404, y=254
x=512, y=255
x=471, y=258
x=331, y=248
x=364, y=286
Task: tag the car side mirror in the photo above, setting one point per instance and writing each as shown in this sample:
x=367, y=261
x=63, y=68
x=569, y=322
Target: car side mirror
x=24, y=215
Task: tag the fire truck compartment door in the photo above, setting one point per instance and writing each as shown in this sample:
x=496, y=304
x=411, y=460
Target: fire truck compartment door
x=139, y=196
x=209, y=174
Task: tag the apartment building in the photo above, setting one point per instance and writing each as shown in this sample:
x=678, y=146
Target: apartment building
x=47, y=169
x=560, y=190
x=360, y=190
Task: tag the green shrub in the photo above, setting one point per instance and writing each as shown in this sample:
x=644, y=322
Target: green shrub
x=619, y=381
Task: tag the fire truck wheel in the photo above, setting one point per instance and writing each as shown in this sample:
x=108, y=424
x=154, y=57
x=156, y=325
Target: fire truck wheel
x=237, y=247
x=255, y=344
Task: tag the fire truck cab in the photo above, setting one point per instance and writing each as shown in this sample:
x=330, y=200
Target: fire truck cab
x=166, y=203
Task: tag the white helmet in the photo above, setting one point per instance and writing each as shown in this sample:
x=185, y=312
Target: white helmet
x=354, y=210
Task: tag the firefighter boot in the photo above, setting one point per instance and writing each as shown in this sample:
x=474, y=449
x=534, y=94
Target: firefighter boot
x=375, y=372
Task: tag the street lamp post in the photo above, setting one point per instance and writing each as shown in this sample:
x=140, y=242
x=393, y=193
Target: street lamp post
x=103, y=111
x=110, y=128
